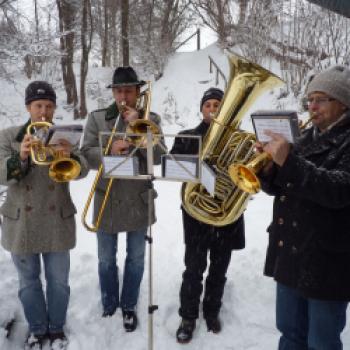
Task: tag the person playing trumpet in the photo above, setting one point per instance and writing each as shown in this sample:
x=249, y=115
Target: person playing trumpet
x=127, y=206
x=309, y=243
x=38, y=222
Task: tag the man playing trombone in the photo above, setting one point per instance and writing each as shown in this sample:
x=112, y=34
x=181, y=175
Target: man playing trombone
x=38, y=221
x=127, y=206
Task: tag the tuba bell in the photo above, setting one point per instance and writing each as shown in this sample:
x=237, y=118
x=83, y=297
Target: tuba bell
x=225, y=144
x=61, y=169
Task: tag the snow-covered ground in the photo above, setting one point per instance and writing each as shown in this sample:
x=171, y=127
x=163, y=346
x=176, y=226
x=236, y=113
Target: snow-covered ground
x=248, y=304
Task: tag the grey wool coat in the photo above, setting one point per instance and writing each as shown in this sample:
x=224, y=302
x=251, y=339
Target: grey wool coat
x=38, y=214
x=127, y=206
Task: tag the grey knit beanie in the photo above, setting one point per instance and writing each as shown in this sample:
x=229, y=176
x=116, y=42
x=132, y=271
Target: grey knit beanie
x=335, y=82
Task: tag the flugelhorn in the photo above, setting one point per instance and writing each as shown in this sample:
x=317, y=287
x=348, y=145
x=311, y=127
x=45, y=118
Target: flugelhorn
x=245, y=177
x=61, y=168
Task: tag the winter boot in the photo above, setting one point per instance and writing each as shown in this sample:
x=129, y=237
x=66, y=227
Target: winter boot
x=185, y=331
x=34, y=341
x=58, y=341
x=213, y=324
x=129, y=320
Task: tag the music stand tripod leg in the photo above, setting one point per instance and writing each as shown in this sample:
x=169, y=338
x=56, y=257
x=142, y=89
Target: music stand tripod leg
x=149, y=239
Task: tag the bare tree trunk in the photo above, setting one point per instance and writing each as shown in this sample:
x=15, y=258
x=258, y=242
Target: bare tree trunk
x=86, y=39
x=105, y=41
x=36, y=20
x=66, y=13
x=125, y=31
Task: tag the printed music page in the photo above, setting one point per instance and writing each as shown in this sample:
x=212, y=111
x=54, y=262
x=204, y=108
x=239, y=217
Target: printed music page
x=208, y=179
x=284, y=123
x=70, y=133
x=115, y=166
x=180, y=167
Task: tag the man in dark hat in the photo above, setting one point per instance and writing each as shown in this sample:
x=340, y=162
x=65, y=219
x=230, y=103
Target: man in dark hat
x=38, y=222
x=201, y=239
x=127, y=205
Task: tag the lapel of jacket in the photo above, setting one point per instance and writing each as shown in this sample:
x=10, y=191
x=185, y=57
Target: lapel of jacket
x=323, y=143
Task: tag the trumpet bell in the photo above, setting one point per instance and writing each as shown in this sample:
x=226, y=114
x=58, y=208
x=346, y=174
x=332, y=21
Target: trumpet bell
x=64, y=169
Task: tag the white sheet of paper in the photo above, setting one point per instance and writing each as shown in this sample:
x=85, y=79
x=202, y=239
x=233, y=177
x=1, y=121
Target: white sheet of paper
x=208, y=179
x=119, y=166
x=181, y=169
x=72, y=136
x=277, y=125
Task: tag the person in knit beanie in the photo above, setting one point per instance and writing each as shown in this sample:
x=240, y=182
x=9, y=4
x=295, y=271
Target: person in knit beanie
x=204, y=241
x=308, y=254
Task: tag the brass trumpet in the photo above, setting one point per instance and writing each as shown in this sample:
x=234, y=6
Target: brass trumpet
x=61, y=169
x=245, y=176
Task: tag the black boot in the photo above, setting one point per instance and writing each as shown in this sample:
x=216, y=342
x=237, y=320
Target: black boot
x=129, y=320
x=213, y=324
x=34, y=341
x=58, y=341
x=185, y=330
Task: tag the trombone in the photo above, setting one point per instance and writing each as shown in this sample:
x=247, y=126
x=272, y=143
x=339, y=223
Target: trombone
x=137, y=127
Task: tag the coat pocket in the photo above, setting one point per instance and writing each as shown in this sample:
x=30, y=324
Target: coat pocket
x=10, y=211
x=144, y=195
x=68, y=210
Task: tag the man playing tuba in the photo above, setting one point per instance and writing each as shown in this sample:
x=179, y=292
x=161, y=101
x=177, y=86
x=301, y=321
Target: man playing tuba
x=201, y=238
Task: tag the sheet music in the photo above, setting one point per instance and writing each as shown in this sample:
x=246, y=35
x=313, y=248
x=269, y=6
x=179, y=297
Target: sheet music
x=208, y=179
x=277, y=125
x=71, y=133
x=185, y=170
x=72, y=136
x=120, y=166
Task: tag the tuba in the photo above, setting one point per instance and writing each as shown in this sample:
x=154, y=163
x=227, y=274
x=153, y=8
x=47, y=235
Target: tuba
x=225, y=144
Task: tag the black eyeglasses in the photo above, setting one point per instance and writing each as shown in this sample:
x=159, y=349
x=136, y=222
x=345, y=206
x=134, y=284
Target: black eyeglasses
x=318, y=100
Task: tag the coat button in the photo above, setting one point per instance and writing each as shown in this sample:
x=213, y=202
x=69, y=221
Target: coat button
x=280, y=244
x=289, y=185
x=294, y=224
x=52, y=207
x=28, y=208
x=51, y=187
x=280, y=221
x=282, y=198
x=28, y=187
x=294, y=250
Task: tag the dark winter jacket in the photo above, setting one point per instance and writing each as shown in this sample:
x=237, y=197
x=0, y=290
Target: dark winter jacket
x=194, y=230
x=309, y=237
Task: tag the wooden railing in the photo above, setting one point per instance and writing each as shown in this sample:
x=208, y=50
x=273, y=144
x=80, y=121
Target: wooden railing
x=218, y=71
x=198, y=33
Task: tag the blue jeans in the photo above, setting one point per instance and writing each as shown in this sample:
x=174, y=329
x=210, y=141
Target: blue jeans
x=42, y=315
x=108, y=269
x=308, y=324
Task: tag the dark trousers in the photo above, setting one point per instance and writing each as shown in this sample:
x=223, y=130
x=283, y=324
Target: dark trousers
x=192, y=287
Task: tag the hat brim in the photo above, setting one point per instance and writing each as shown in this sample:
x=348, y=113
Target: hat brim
x=137, y=83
